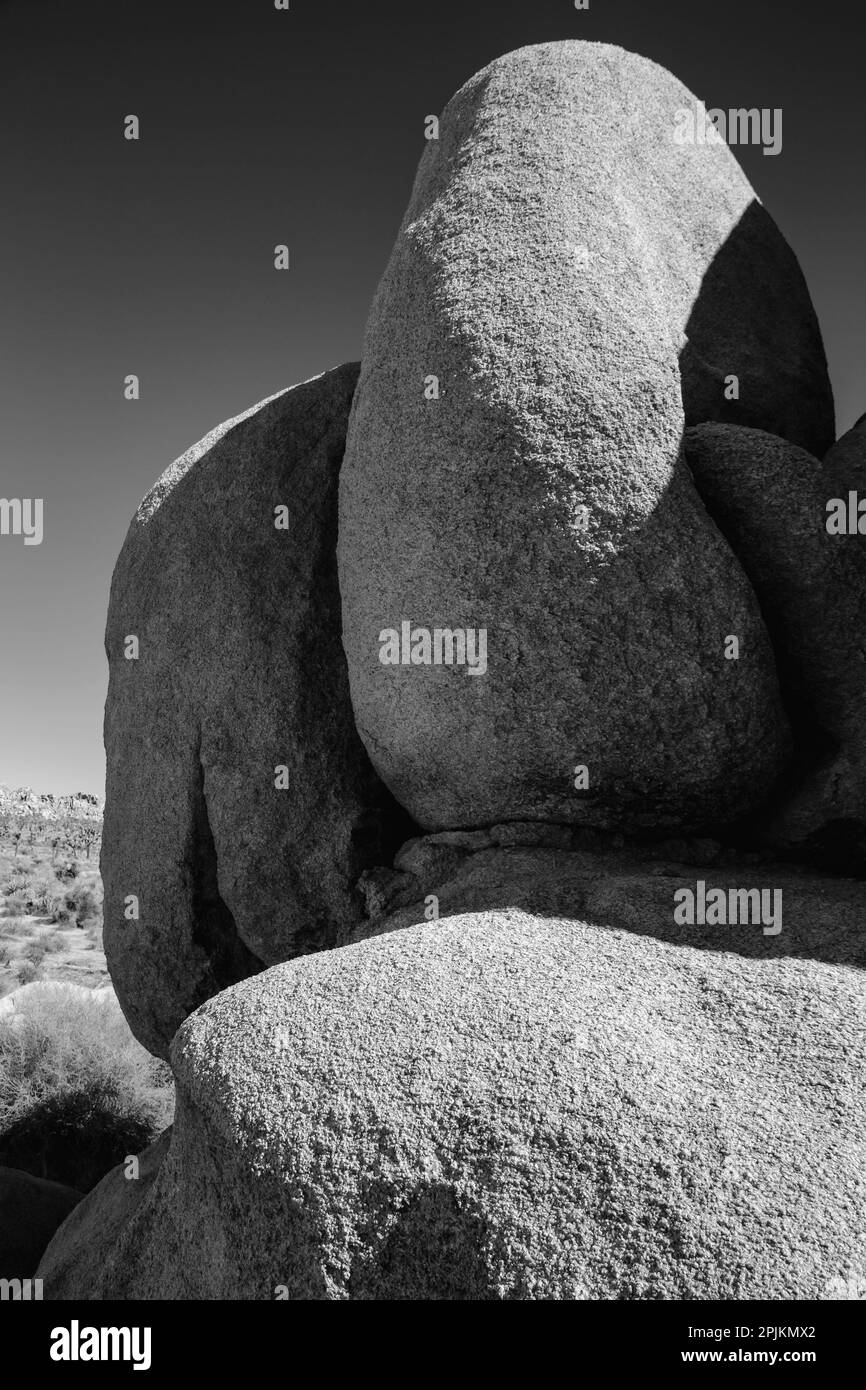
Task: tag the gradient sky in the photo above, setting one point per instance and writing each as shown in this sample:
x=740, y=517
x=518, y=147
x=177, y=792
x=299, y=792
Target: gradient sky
x=304, y=127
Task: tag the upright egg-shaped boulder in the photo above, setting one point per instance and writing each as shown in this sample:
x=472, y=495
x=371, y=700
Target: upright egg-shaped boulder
x=541, y=619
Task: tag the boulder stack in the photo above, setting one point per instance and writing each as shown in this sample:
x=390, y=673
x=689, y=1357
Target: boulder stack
x=587, y=600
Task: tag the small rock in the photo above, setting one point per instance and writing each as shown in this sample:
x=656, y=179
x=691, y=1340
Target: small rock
x=383, y=890
x=427, y=861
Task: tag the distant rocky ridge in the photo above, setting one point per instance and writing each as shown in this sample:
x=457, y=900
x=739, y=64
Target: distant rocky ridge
x=24, y=801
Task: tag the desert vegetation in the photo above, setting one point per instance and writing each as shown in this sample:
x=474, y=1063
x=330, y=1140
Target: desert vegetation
x=78, y=1093
x=50, y=917
x=70, y=835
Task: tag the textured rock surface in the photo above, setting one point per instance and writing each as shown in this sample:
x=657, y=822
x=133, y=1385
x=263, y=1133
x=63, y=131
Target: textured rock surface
x=559, y=251
x=240, y=671
x=769, y=499
x=31, y=1209
x=517, y=1103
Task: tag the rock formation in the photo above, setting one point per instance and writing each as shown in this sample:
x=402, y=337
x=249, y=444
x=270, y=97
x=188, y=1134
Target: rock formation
x=509, y=1104
x=769, y=499
x=22, y=803
x=582, y=461
x=560, y=253
x=240, y=804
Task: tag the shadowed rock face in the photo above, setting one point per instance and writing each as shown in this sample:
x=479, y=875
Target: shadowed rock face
x=560, y=256
x=31, y=1210
x=513, y=1102
x=753, y=318
x=769, y=498
x=240, y=671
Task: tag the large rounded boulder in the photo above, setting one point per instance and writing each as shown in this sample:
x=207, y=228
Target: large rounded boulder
x=240, y=804
x=537, y=606
x=514, y=1103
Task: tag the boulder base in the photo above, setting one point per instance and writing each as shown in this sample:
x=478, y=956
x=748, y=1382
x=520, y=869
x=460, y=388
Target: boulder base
x=516, y=1103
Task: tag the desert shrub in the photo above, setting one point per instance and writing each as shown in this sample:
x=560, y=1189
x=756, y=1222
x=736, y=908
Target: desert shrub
x=13, y=907
x=53, y=941
x=6, y=952
x=42, y=899
x=36, y=897
x=16, y=882
x=77, y=1091
x=16, y=907
x=79, y=904
x=89, y=908
x=34, y=951
x=27, y=971
x=75, y=1137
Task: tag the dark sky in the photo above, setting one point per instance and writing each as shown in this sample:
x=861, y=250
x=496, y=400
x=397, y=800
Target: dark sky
x=259, y=127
